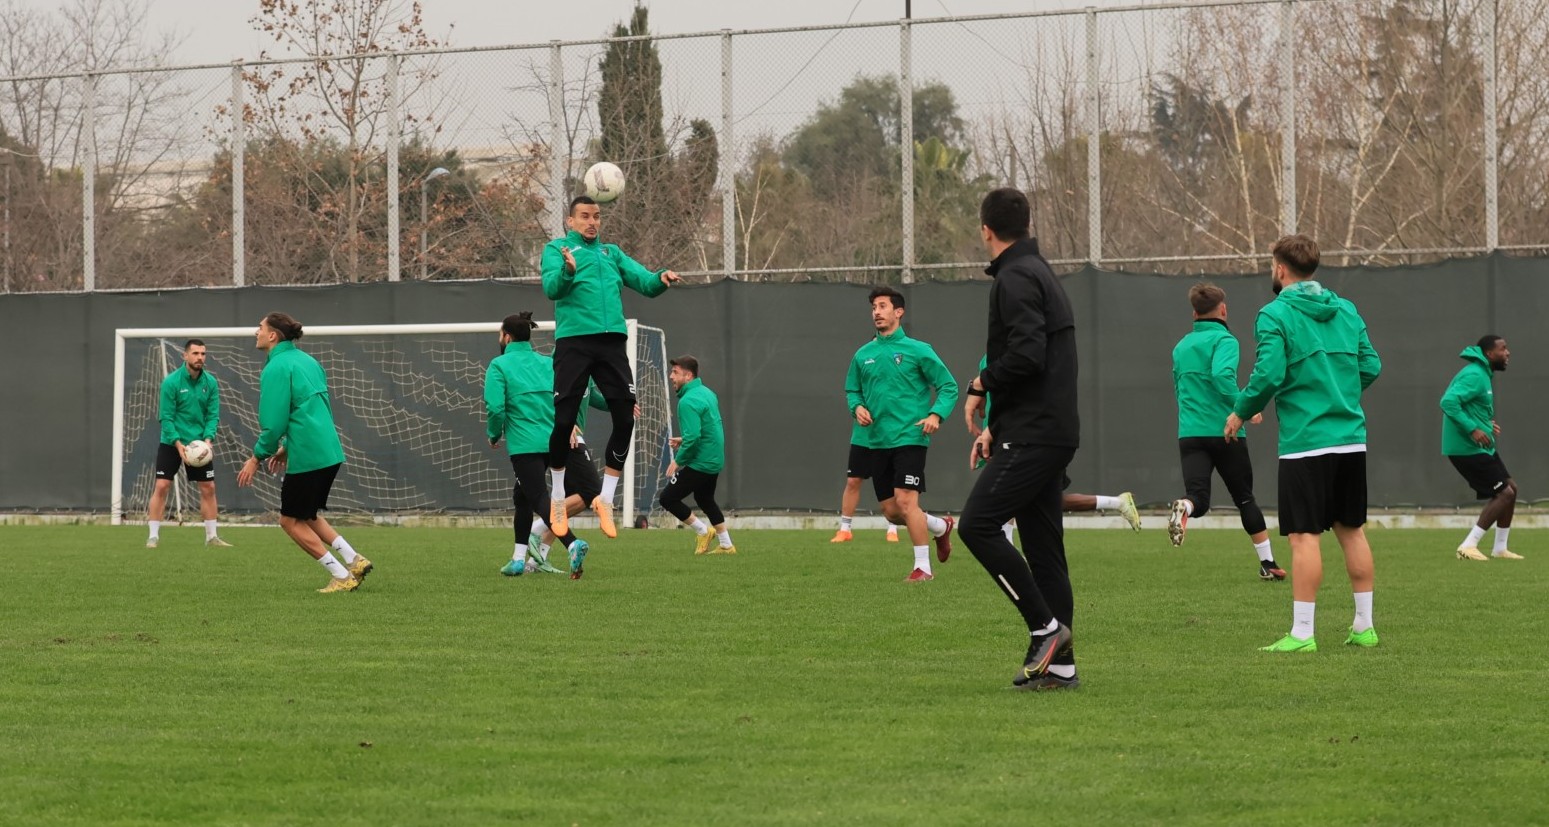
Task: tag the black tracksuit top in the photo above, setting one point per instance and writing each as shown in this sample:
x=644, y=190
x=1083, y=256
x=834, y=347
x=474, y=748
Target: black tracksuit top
x=1031, y=348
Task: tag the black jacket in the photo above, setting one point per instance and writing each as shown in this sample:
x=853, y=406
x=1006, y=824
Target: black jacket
x=1031, y=372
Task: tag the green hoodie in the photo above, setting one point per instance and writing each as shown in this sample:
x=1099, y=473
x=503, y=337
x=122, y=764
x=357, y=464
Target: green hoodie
x=699, y=423
x=1205, y=379
x=588, y=300
x=519, y=399
x=1314, y=360
x=294, y=406
x=190, y=408
x=894, y=377
x=1468, y=405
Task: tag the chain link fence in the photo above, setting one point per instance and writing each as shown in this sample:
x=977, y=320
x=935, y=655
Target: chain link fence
x=1170, y=138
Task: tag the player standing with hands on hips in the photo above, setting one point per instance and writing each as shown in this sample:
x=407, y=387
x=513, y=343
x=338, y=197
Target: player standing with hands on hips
x=584, y=276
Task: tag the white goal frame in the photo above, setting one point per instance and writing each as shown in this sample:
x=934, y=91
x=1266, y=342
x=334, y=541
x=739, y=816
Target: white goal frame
x=123, y=334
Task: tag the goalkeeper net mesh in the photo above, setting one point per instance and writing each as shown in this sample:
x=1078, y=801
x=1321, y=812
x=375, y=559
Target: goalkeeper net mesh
x=410, y=413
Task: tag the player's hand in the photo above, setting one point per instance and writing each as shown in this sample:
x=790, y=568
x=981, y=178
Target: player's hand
x=575, y=437
x=980, y=450
x=245, y=476
x=672, y=470
x=862, y=415
x=1480, y=438
x=973, y=414
x=670, y=278
x=929, y=424
x=637, y=411
x=1495, y=427
x=675, y=442
x=1258, y=419
x=1233, y=427
x=181, y=451
x=569, y=260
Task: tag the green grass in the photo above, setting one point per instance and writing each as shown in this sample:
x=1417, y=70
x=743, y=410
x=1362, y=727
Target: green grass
x=797, y=683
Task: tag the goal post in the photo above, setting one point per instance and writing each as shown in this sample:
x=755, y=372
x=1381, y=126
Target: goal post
x=408, y=402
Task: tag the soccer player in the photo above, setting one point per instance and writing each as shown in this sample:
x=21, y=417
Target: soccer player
x=584, y=276
x=1314, y=360
x=1124, y=503
x=1029, y=440
x=1205, y=384
x=298, y=438
x=190, y=409
x=889, y=388
x=1468, y=433
x=519, y=408
x=700, y=456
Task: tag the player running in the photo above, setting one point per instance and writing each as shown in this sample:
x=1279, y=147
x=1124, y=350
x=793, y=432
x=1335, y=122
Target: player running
x=190, y=409
x=584, y=277
x=889, y=388
x=700, y=456
x=1468, y=435
x=298, y=437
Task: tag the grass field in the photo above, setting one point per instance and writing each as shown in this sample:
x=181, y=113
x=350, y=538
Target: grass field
x=797, y=683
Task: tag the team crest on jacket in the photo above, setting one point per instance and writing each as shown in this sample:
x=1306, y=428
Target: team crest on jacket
x=898, y=359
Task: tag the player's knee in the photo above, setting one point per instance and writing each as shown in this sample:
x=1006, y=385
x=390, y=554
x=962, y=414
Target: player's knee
x=1508, y=492
x=852, y=485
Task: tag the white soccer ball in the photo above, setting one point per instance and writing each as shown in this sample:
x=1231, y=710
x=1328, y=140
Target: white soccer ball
x=198, y=453
x=604, y=182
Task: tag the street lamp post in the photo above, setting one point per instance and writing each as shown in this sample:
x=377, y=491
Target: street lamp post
x=438, y=172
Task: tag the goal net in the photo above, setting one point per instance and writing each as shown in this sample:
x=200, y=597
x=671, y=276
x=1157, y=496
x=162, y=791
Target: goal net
x=409, y=404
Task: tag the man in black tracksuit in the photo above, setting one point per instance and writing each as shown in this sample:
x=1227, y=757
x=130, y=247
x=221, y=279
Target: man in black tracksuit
x=1031, y=438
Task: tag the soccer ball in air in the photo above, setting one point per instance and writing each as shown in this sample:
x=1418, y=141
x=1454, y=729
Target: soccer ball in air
x=604, y=182
x=198, y=453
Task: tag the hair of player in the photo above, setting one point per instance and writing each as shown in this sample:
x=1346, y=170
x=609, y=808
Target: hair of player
x=579, y=200
x=1488, y=343
x=1206, y=297
x=191, y=342
x=281, y=323
x=688, y=363
x=883, y=291
x=519, y=326
x=1299, y=253
x=1006, y=212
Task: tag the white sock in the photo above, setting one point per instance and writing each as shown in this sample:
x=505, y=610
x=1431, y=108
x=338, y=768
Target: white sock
x=543, y=552
x=538, y=527
x=209, y=529
x=155, y=529
x=1107, y=503
x=892, y=530
x=922, y=558
x=699, y=527
x=1301, y=619
x=345, y=550
x=1475, y=534
x=1054, y=626
x=1062, y=670
x=520, y=553
x=1363, y=612
x=558, y=475
x=1501, y=533
x=1007, y=530
x=846, y=523
x=333, y=566
x=610, y=486
x=1188, y=507
x=1264, y=552
x=936, y=525
x=725, y=538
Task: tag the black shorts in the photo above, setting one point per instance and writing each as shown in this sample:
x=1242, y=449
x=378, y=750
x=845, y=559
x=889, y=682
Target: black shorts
x=895, y=468
x=861, y=458
x=168, y=460
x=581, y=475
x=303, y=495
x=1317, y=492
x=1485, y=473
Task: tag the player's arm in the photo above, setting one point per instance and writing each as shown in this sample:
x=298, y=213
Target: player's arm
x=1367, y=360
x=1223, y=369
x=690, y=425
x=648, y=283
x=274, y=398
x=1020, y=301
x=212, y=414
x=936, y=373
x=494, y=404
x=852, y=392
x=1269, y=369
x=558, y=277
x=1464, y=388
x=168, y=413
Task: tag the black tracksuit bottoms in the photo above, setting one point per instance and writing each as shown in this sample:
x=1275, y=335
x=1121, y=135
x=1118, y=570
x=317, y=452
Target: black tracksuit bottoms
x=603, y=358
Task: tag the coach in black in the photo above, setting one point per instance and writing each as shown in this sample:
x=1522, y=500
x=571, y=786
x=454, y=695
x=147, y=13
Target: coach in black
x=1031, y=438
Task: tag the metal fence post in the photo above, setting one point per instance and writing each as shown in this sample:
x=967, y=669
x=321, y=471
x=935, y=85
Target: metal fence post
x=559, y=152
x=1094, y=169
x=1288, y=117
x=238, y=178
x=728, y=168
x=1492, y=201
x=906, y=145
x=88, y=183
x=394, y=248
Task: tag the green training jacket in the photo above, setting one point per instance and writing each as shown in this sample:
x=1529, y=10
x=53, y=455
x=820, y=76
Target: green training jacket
x=1205, y=379
x=1314, y=360
x=895, y=377
x=588, y=300
x=699, y=423
x=190, y=409
x=519, y=399
x=1468, y=404
x=294, y=408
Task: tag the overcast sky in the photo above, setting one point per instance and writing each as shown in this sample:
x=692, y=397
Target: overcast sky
x=218, y=30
